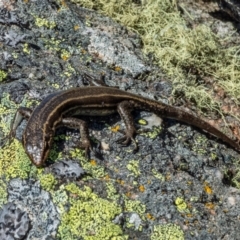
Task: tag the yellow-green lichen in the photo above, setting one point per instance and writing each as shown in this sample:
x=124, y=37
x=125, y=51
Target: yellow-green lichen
x=236, y=179
x=85, y=194
x=158, y=175
x=42, y=22
x=3, y=75
x=134, y=206
x=60, y=198
x=14, y=161
x=26, y=49
x=111, y=191
x=153, y=133
x=3, y=192
x=52, y=44
x=89, y=217
x=91, y=166
x=142, y=122
x=69, y=71
x=65, y=55
x=7, y=110
x=47, y=181
x=181, y=205
x=167, y=232
x=133, y=166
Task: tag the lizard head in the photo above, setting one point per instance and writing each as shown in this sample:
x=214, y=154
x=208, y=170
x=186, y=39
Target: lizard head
x=37, y=144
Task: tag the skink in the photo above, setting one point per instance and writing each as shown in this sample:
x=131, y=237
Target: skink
x=58, y=109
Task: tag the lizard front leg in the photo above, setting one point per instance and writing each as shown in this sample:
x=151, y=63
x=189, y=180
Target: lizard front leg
x=124, y=109
x=84, y=134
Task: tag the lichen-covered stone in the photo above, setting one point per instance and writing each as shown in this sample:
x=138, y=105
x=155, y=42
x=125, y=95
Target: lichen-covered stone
x=14, y=222
x=29, y=197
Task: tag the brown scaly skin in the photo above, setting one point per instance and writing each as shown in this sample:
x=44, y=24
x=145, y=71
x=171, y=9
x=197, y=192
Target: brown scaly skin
x=58, y=109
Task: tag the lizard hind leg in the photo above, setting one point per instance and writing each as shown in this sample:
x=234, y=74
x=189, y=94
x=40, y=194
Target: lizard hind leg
x=124, y=109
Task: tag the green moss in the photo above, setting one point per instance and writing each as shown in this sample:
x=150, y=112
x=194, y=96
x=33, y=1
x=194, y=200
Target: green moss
x=89, y=217
x=167, y=232
x=3, y=75
x=3, y=193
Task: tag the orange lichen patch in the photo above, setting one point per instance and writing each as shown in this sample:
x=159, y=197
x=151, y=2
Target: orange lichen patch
x=76, y=27
x=107, y=178
x=189, y=182
x=168, y=177
x=141, y=188
x=93, y=162
x=150, y=216
x=128, y=194
x=115, y=128
x=207, y=188
x=63, y=3
x=118, y=69
x=64, y=57
x=83, y=51
x=209, y=205
x=120, y=181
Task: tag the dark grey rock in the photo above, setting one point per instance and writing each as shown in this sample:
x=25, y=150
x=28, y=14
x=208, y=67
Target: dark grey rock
x=67, y=169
